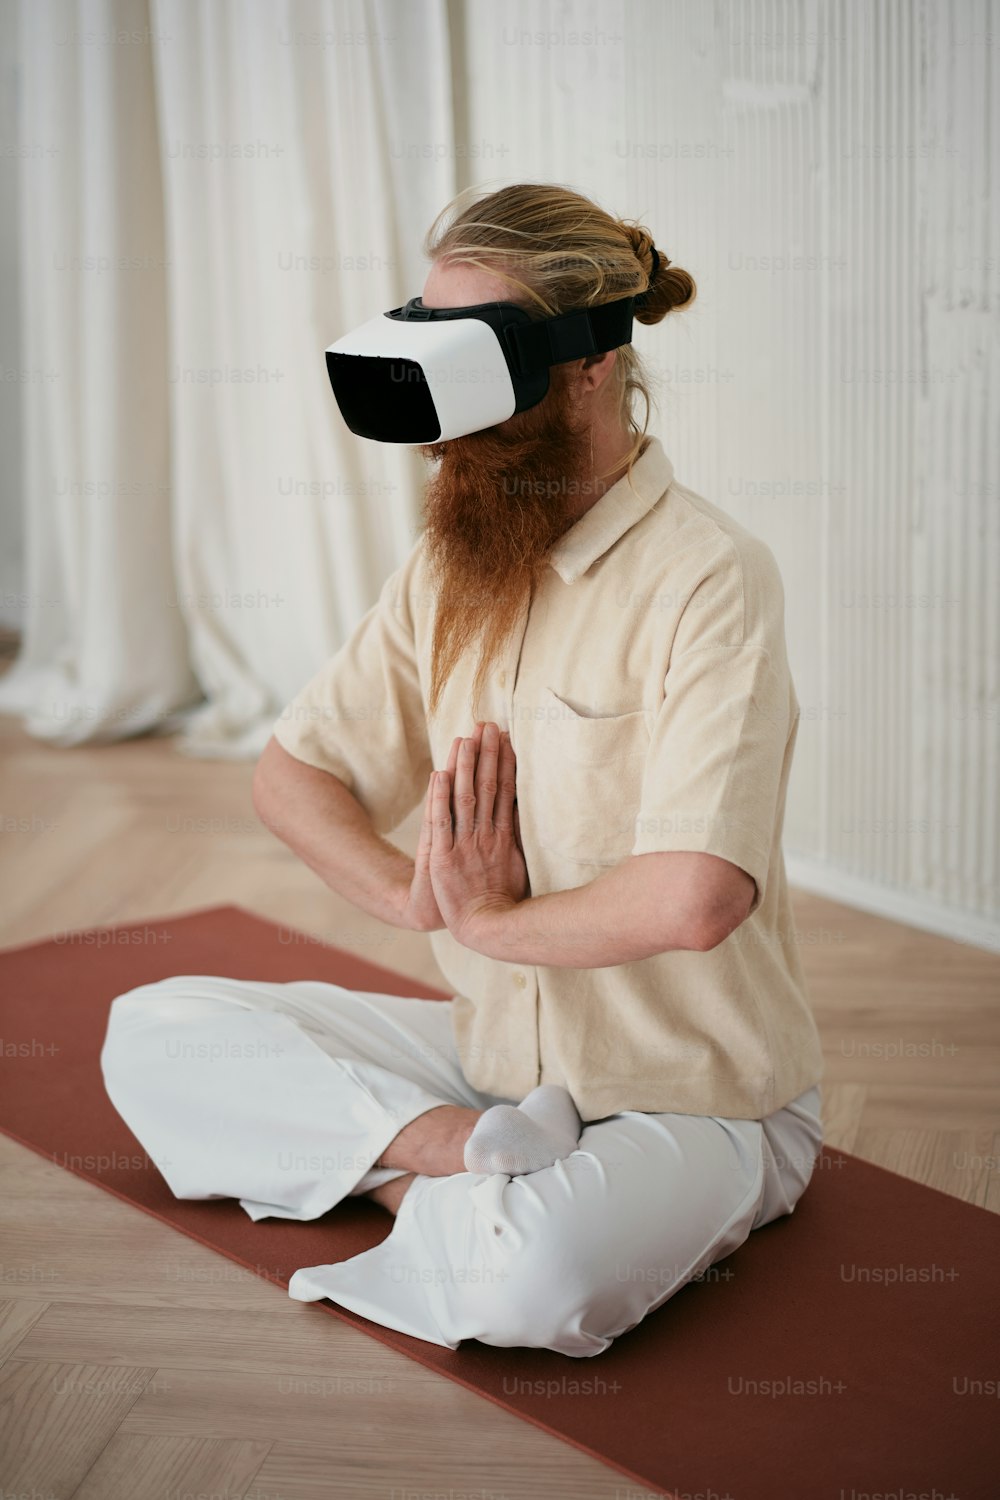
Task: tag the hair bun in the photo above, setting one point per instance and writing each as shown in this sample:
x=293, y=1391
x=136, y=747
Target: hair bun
x=667, y=286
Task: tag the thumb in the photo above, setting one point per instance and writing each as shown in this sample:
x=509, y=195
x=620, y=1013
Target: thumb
x=422, y=859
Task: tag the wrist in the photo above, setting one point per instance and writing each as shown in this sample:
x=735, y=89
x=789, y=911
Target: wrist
x=395, y=887
x=413, y=916
x=489, y=931
x=400, y=913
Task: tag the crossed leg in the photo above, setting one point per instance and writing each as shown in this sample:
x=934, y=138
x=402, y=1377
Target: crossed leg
x=262, y=1064
x=288, y=1097
x=566, y=1258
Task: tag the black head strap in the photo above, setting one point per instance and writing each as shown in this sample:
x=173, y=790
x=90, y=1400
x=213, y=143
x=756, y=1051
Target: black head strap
x=533, y=344
x=554, y=341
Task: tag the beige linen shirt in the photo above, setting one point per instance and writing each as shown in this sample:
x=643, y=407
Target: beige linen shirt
x=650, y=706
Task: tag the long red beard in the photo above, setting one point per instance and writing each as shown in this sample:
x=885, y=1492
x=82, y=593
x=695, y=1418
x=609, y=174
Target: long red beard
x=492, y=511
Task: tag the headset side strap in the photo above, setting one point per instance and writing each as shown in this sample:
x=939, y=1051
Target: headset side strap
x=554, y=341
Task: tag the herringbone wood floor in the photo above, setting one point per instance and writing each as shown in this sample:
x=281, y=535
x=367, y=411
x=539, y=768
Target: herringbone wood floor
x=135, y=1363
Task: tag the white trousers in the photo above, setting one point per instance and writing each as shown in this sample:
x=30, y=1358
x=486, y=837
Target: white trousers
x=284, y=1095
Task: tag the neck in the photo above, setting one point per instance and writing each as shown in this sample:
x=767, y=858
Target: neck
x=611, y=448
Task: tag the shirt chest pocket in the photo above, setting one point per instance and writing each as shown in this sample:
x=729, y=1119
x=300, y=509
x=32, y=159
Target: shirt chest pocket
x=586, y=781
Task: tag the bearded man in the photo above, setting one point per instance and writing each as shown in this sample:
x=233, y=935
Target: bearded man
x=580, y=672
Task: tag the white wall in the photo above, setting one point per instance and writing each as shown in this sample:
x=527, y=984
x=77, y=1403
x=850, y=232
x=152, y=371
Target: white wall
x=824, y=173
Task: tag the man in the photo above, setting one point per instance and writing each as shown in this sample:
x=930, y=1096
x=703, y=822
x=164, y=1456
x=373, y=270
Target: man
x=625, y=1082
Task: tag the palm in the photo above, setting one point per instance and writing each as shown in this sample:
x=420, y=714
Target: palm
x=422, y=910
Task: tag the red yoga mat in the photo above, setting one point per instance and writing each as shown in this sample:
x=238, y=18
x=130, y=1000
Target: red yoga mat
x=846, y=1351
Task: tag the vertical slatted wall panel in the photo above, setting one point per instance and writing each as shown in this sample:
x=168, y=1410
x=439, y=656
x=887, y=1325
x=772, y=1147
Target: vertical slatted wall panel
x=823, y=169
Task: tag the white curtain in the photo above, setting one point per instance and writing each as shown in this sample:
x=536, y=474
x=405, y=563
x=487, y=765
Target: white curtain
x=221, y=189
x=199, y=543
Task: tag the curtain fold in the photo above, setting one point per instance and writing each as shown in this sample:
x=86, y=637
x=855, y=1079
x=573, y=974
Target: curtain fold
x=202, y=531
x=101, y=658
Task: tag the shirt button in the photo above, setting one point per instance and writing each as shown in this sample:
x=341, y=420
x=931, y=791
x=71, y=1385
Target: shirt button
x=502, y=678
x=520, y=980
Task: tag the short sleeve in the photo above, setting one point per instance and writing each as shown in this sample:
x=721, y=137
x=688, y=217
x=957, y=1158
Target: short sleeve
x=722, y=741
x=361, y=717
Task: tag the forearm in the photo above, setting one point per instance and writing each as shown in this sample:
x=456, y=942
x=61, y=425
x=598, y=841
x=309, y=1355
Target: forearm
x=325, y=825
x=617, y=918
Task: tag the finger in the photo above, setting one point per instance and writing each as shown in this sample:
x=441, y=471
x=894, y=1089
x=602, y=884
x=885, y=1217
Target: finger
x=441, y=834
x=452, y=764
x=452, y=768
x=503, y=815
x=453, y=755
x=464, y=788
x=487, y=771
x=423, y=854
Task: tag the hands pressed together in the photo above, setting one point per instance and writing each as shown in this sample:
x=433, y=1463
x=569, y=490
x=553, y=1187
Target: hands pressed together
x=469, y=865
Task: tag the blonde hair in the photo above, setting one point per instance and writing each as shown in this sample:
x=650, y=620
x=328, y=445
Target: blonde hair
x=563, y=251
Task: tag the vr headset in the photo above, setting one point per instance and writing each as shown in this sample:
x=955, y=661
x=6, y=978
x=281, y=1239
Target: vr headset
x=426, y=374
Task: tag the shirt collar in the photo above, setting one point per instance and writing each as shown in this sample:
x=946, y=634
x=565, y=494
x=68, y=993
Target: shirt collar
x=614, y=513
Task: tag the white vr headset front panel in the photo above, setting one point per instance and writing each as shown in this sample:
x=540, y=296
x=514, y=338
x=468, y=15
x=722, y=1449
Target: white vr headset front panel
x=461, y=361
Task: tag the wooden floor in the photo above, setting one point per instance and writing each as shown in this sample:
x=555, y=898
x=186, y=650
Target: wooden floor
x=136, y=1363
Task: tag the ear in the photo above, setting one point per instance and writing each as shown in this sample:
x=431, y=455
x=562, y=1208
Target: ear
x=595, y=369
